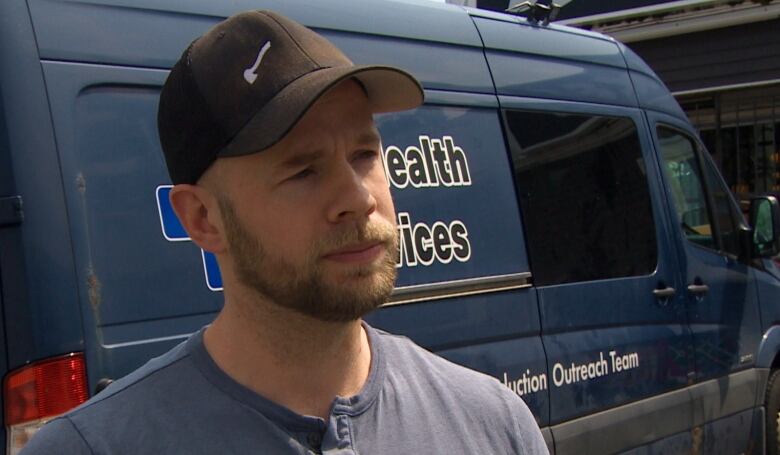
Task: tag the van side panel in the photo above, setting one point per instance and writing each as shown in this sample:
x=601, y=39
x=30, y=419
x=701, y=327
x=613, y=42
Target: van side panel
x=533, y=39
x=131, y=277
x=650, y=91
x=537, y=62
x=40, y=292
x=153, y=34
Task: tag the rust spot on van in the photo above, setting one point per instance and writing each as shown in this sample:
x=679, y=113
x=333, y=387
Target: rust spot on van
x=93, y=286
x=696, y=439
x=81, y=183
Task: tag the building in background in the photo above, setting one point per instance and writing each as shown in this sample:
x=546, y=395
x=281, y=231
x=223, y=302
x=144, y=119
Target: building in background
x=721, y=60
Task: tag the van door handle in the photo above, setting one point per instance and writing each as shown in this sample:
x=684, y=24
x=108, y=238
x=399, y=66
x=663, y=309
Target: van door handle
x=664, y=293
x=698, y=289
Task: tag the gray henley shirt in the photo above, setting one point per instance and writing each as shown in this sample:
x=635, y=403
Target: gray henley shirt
x=412, y=402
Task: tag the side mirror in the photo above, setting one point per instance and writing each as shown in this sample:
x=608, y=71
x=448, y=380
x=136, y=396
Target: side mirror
x=765, y=220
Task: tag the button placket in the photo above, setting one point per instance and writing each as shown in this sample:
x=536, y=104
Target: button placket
x=314, y=440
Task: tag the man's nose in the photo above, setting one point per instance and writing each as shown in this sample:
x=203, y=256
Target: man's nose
x=351, y=198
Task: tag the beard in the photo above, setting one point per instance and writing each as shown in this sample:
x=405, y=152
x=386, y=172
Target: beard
x=304, y=287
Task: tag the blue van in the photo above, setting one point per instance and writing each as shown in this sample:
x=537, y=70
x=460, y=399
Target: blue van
x=562, y=228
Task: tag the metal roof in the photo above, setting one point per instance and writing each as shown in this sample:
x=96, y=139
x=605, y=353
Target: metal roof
x=676, y=18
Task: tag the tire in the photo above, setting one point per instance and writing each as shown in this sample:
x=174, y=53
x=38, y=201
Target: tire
x=773, y=413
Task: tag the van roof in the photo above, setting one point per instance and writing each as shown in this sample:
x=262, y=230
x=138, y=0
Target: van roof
x=152, y=33
x=115, y=31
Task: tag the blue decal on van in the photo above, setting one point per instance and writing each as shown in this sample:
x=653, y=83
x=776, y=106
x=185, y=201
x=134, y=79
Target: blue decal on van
x=171, y=227
x=213, y=275
x=173, y=231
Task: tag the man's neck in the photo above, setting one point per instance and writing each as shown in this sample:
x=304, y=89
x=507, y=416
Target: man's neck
x=292, y=359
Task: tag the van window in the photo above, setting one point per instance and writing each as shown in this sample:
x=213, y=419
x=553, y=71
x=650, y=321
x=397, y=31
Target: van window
x=685, y=181
x=584, y=196
x=680, y=151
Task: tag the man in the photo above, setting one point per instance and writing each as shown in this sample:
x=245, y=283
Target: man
x=268, y=135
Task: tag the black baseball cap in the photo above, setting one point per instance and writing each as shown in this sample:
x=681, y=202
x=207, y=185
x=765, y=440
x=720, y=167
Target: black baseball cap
x=243, y=85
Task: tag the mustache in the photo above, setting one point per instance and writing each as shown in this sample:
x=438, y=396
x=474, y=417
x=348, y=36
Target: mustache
x=372, y=231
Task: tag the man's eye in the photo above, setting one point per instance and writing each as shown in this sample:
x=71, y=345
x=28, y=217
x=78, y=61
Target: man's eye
x=366, y=155
x=302, y=174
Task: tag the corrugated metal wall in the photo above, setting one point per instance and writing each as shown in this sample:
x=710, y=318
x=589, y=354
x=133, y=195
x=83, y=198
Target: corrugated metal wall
x=718, y=57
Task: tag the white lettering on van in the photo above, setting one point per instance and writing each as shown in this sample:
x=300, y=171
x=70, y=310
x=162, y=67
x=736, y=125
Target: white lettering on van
x=624, y=362
x=579, y=372
x=527, y=383
x=573, y=373
x=421, y=244
x=434, y=163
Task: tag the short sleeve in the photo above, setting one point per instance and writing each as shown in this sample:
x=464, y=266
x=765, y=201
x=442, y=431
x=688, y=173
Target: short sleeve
x=57, y=437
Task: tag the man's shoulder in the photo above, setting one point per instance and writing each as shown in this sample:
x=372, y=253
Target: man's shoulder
x=151, y=379
x=122, y=403
x=471, y=401
x=413, y=365
x=418, y=362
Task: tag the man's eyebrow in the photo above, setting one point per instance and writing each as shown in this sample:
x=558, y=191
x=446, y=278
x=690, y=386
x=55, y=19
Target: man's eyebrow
x=369, y=137
x=299, y=159
x=303, y=158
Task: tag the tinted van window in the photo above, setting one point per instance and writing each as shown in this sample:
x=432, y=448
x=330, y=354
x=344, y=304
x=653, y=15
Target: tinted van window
x=687, y=186
x=584, y=196
x=688, y=174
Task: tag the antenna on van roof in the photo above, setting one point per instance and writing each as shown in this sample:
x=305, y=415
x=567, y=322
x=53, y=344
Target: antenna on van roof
x=537, y=12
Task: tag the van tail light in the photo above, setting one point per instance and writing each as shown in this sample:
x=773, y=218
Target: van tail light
x=35, y=393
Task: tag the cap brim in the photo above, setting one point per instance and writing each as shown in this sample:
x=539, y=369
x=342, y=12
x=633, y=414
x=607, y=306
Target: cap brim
x=388, y=89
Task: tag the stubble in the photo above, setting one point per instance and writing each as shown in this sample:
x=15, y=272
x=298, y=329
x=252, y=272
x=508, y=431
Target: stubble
x=305, y=288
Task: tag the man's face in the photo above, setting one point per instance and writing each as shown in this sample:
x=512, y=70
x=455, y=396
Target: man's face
x=310, y=222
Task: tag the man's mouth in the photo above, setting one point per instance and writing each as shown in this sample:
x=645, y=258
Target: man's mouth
x=357, y=253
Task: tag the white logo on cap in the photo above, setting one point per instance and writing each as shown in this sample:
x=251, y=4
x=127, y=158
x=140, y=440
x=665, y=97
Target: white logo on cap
x=250, y=74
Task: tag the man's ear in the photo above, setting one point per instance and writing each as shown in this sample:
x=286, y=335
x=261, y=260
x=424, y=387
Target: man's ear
x=199, y=214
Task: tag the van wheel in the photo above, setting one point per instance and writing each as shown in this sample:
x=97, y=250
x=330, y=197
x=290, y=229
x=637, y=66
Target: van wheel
x=773, y=413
